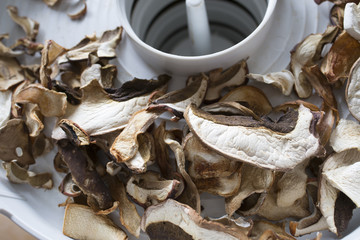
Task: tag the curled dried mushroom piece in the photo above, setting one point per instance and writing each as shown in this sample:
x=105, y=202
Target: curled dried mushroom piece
x=30, y=27
x=279, y=145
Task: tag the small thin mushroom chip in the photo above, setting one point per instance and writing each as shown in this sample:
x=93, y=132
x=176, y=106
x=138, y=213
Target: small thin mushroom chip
x=145, y=155
x=75, y=133
x=10, y=73
x=190, y=194
x=341, y=57
x=86, y=178
x=80, y=14
x=150, y=188
x=345, y=136
x=18, y=174
x=253, y=180
x=30, y=26
x=352, y=90
x=5, y=107
x=50, y=3
x=221, y=186
x=9, y=52
x=80, y=222
x=283, y=80
x=352, y=20
x=205, y=163
x=251, y=97
x=307, y=53
x=51, y=103
x=229, y=78
x=15, y=143
x=100, y=113
x=104, y=47
x=185, y=224
x=263, y=228
x=126, y=145
x=28, y=46
x=180, y=99
x=277, y=145
x=129, y=217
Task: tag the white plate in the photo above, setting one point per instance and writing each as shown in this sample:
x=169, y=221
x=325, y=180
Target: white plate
x=36, y=210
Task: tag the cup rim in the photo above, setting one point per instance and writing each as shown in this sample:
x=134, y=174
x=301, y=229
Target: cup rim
x=129, y=30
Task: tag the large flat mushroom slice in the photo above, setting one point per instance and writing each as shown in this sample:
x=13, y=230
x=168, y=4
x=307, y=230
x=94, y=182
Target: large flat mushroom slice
x=80, y=222
x=183, y=223
x=277, y=146
x=352, y=90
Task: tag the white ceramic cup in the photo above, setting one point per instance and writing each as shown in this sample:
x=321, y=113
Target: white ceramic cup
x=155, y=27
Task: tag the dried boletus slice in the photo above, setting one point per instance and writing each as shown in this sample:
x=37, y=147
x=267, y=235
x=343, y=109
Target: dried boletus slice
x=18, y=174
x=86, y=178
x=277, y=145
x=51, y=103
x=180, y=99
x=205, y=163
x=341, y=57
x=283, y=80
x=75, y=133
x=31, y=27
x=10, y=73
x=251, y=97
x=253, y=180
x=80, y=222
x=337, y=16
x=150, y=188
x=345, y=136
x=185, y=224
x=68, y=187
x=313, y=223
x=352, y=20
x=100, y=112
x=5, y=107
x=33, y=119
x=104, y=74
x=307, y=53
x=15, y=143
x=352, y=90
x=80, y=14
x=8, y=52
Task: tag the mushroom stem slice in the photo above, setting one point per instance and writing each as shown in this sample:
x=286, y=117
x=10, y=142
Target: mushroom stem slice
x=277, y=147
x=185, y=224
x=80, y=222
x=283, y=80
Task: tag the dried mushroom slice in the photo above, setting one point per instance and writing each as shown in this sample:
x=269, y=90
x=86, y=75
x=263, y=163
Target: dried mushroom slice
x=30, y=26
x=205, y=163
x=80, y=222
x=10, y=73
x=129, y=217
x=86, y=178
x=180, y=99
x=267, y=230
x=283, y=80
x=27, y=46
x=8, y=52
x=307, y=53
x=231, y=77
x=337, y=16
x=104, y=74
x=230, y=109
x=237, y=224
x=68, y=187
x=352, y=20
x=145, y=155
x=221, y=186
x=104, y=47
x=15, y=143
x=126, y=145
x=80, y=14
x=99, y=113
x=17, y=174
x=51, y=103
x=50, y=3
x=33, y=119
x=341, y=57
x=5, y=107
x=345, y=136
x=150, y=188
x=75, y=133
x=313, y=223
x=284, y=107
x=253, y=180
x=251, y=97
x=279, y=145
x=352, y=90
x=191, y=194
x=342, y=171
x=162, y=152
x=185, y=224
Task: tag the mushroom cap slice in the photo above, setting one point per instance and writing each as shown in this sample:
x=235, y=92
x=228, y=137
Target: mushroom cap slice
x=268, y=146
x=352, y=90
x=150, y=188
x=185, y=224
x=352, y=20
x=80, y=222
x=283, y=80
